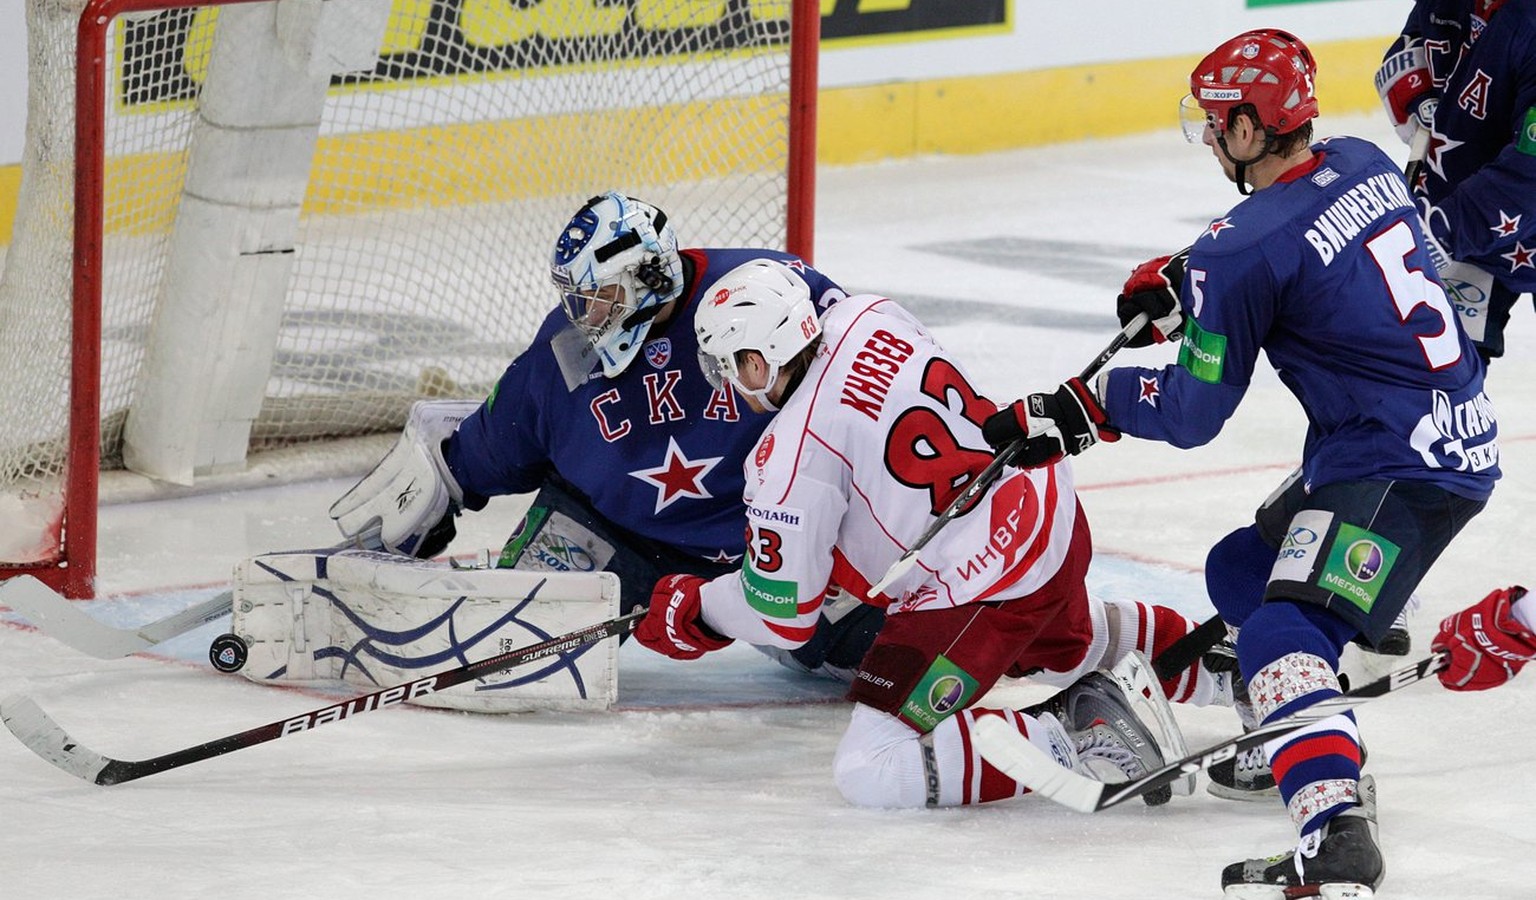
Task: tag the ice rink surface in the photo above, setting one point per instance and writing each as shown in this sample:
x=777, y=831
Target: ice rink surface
x=713, y=779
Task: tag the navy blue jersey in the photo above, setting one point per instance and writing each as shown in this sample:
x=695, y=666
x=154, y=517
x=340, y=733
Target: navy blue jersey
x=1327, y=272
x=1478, y=188
x=658, y=451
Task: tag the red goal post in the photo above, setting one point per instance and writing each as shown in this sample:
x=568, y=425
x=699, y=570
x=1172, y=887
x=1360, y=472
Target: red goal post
x=282, y=223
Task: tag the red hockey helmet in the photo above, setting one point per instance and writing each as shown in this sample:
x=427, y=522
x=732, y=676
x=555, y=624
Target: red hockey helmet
x=1269, y=68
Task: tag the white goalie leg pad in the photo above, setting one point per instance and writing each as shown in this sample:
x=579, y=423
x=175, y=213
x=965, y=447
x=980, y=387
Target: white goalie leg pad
x=375, y=620
x=410, y=490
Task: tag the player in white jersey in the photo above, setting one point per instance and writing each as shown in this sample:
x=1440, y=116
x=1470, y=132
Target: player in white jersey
x=877, y=430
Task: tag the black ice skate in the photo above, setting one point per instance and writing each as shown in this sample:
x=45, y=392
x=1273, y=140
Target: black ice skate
x=1246, y=776
x=1113, y=744
x=1339, y=862
x=1397, y=641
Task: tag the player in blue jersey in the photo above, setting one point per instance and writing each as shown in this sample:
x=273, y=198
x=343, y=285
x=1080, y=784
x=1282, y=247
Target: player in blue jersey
x=1465, y=70
x=637, y=460
x=1325, y=269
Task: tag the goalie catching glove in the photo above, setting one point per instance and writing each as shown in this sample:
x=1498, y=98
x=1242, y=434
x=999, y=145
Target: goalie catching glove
x=406, y=505
x=1487, y=642
x=1153, y=288
x=1066, y=421
x=673, y=625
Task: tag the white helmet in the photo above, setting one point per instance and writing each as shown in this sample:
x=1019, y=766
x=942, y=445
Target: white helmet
x=625, y=245
x=761, y=305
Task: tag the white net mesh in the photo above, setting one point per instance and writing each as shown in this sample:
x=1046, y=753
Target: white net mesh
x=442, y=174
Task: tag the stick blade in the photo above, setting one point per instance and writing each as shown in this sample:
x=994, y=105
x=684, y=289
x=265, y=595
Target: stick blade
x=43, y=736
x=897, y=569
x=61, y=620
x=55, y=616
x=1013, y=754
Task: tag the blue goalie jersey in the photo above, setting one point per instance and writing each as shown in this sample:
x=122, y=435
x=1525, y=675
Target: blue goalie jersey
x=1327, y=272
x=657, y=450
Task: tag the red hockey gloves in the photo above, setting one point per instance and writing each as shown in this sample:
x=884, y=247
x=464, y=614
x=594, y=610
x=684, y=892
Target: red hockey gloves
x=1154, y=289
x=1069, y=420
x=1488, y=645
x=1406, y=89
x=672, y=626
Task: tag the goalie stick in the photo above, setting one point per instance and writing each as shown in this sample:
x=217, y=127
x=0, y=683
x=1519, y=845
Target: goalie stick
x=54, y=615
x=61, y=620
x=1002, y=746
x=994, y=469
x=33, y=727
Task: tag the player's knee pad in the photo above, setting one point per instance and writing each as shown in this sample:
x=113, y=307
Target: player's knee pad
x=376, y=620
x=1236, y=571
x=880, y=762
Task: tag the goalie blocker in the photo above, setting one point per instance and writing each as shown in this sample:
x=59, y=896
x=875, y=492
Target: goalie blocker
x=372, y=619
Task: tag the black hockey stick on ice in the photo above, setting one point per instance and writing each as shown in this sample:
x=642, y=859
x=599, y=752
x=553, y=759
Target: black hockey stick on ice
x=1002, y=746
x=994, y=469
x=57, y=617
x=44, y=737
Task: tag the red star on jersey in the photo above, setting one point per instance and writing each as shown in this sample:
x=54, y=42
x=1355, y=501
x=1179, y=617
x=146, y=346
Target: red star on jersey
x=726, y=558
x=1434, y=156
x=1218, y=226
x=1507, y=226
x=1149, y=391
x=1520, y=256
x=678, y=477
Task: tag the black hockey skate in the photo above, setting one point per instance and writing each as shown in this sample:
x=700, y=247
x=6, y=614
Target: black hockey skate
x=1397, y=641
x=1339, y=862
x=1246, y=776
x=1113, y=744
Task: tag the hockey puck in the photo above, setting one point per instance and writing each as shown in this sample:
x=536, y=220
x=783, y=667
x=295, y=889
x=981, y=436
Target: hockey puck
x=228, y=652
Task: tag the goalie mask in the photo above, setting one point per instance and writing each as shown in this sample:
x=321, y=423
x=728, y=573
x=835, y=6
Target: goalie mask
x=616, y=265
x=761, y=305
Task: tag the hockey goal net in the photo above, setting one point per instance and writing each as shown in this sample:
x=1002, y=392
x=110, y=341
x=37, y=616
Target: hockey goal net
x=255, y=225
